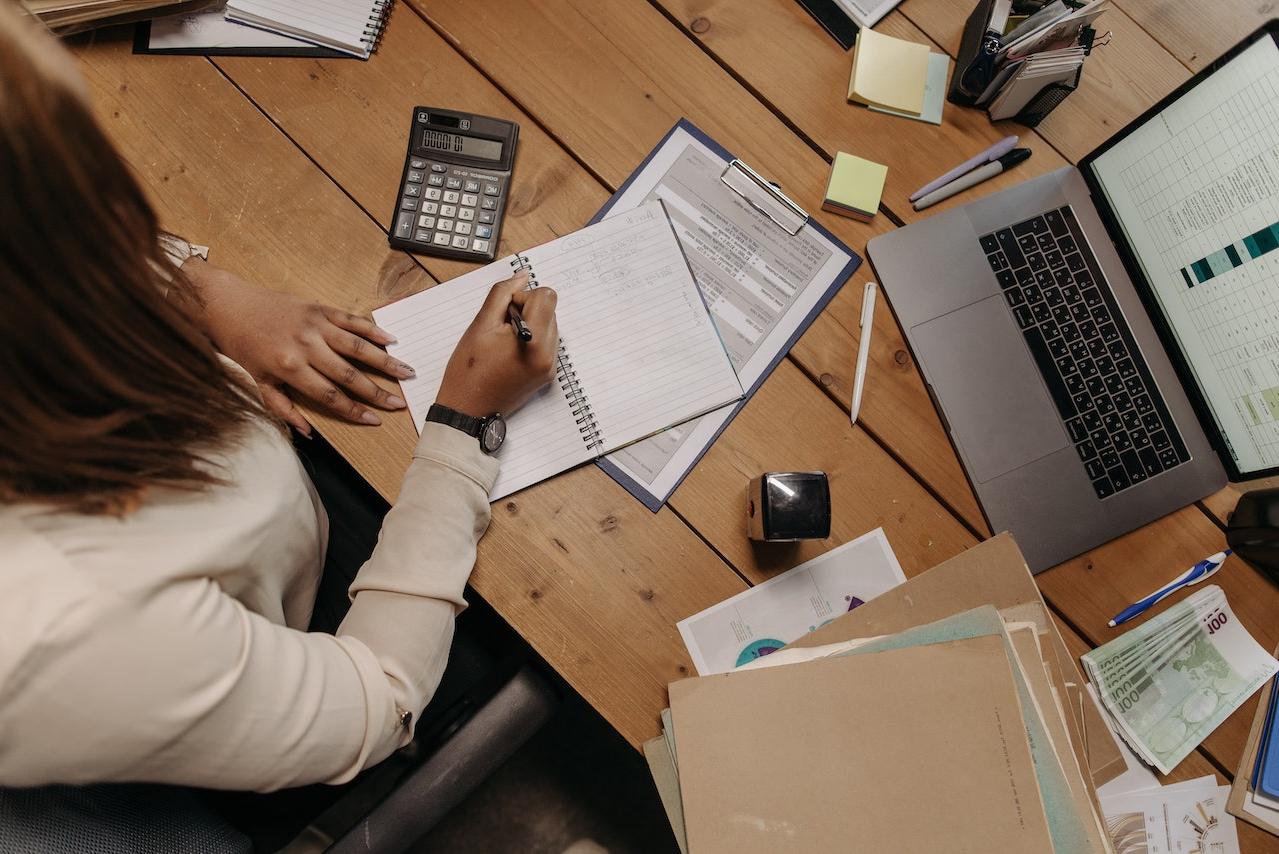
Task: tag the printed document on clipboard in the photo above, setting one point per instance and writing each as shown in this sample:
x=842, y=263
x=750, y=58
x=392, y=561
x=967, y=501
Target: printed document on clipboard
x=765, y=268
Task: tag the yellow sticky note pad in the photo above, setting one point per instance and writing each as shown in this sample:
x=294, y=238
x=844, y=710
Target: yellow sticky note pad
x=855, y=187
x=888, y=72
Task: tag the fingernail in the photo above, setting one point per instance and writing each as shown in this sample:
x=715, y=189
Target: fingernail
x=405, y=371
x=387, y=336
x=369, y=418
x=395, y=402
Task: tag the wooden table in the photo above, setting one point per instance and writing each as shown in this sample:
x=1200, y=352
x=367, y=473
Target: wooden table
x=289, y=168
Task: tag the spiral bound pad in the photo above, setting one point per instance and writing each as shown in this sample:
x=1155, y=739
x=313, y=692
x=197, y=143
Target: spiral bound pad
x=350, y=26
x=638, y=351
x=587, y=426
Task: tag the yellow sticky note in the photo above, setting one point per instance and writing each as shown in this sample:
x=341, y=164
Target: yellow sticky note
x=888, y=72
x=855, y=187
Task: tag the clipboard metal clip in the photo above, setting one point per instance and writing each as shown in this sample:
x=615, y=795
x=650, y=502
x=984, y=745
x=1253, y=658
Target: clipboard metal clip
x=764, y=197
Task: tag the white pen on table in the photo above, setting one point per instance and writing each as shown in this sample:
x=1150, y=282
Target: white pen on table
x=863, y=349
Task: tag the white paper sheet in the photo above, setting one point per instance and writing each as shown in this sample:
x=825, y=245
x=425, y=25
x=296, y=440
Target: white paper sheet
x=761, y=620
x=211, y=29
x=1187, y=817
x=866, y=13
x=761, y=285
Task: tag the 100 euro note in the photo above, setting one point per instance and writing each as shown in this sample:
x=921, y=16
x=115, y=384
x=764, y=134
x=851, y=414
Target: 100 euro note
x=1171, y=681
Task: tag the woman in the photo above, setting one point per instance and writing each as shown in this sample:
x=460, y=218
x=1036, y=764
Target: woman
x=162, y=545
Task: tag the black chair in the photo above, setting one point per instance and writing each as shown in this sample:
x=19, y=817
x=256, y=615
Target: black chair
x=491, y=700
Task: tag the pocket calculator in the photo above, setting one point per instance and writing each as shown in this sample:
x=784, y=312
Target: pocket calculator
x=453, y=191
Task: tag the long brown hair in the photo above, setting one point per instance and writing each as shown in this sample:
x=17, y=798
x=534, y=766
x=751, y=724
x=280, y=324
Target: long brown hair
x=107, y=388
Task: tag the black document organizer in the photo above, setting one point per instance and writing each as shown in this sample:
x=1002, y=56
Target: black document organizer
x=970, y=51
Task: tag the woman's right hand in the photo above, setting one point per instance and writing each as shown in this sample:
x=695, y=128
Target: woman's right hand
x=491, y=370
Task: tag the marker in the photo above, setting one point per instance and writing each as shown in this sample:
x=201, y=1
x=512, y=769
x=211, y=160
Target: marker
x=995, y=152
x=975, y=177
x=863, y=349
x=521, y=328
x=1190, y=577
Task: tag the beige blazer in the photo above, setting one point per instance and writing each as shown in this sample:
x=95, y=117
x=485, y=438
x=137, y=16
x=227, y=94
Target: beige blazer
x=170, y=645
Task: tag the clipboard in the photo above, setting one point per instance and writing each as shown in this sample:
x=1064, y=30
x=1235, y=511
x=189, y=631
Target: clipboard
x=773, y=209
x=764, y=196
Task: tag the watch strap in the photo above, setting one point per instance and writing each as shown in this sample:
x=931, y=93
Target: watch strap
x=468, y=424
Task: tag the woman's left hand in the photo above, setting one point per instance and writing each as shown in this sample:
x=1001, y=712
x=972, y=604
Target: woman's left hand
x=289, y=343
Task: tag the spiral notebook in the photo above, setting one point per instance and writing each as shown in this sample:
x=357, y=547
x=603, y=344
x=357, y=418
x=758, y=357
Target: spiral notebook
x=349, y=26
x=638, y=351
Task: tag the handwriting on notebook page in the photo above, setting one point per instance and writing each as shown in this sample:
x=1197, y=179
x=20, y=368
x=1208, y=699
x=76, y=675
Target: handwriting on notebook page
x=639, y=351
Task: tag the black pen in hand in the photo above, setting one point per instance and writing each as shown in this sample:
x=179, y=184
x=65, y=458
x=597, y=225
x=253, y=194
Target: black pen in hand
x=521, y=328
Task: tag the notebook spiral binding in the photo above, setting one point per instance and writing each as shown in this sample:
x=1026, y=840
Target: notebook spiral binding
x=377, y=23
x=566, y=376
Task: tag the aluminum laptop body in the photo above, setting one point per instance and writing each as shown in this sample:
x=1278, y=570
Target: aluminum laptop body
x=1128, y=374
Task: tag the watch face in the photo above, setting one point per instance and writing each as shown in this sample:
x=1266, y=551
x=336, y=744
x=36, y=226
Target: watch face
x=494, y=434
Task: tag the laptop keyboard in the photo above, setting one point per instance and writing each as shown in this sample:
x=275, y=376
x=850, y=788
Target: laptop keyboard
x=1095, y=374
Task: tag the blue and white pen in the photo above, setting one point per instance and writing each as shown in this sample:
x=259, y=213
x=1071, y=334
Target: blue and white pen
x=1192, y=576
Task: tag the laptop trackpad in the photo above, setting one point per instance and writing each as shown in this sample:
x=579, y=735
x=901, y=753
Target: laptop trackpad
x=999, y=412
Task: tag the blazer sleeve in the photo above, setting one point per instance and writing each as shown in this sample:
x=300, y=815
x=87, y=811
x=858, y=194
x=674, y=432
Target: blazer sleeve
x=190, y=687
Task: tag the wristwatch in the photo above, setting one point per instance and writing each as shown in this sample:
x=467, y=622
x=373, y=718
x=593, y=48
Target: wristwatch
x=490, y=430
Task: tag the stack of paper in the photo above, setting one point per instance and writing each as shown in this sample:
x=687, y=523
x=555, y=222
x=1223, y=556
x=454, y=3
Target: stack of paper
x=1172, y=680
x=1037, y=52
x=943, y=715
x=67, y=16
x=1023, y=80
x=1255, y=794
x=898, y=77
x=855, y=187
x=1055, y=26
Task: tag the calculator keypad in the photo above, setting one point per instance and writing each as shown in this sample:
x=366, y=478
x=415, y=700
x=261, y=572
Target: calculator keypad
x=448, y=206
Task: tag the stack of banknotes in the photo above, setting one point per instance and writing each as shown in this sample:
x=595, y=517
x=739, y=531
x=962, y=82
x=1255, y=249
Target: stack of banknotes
x=1169, y=682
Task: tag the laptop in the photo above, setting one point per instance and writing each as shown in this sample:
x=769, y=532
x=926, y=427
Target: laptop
x=1102, y=342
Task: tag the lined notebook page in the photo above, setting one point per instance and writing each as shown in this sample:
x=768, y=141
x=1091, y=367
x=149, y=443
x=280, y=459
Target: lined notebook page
x=633, y=321
x=334, y=23
x=542, y=438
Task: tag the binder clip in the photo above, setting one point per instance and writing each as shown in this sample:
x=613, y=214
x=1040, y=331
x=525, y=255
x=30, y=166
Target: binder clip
x=764, y=197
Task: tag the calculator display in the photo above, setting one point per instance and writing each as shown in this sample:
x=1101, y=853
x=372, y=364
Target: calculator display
x=469, y=146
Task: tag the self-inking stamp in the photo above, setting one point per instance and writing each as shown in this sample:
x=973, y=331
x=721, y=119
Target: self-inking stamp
x=786, y=506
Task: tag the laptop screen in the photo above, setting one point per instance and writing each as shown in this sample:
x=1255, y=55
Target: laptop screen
x=1195, y=190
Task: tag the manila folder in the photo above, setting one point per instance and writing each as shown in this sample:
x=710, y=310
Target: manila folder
x=912, y=750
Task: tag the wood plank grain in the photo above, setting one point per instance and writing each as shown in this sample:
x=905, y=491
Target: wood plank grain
x=591, y=579
x=867, y=490
x=366, y=163
x=1196, y=33
x=353, y=118
x=615, y=40
x=609, y=79
x=759, y=40
x=1120, y=81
